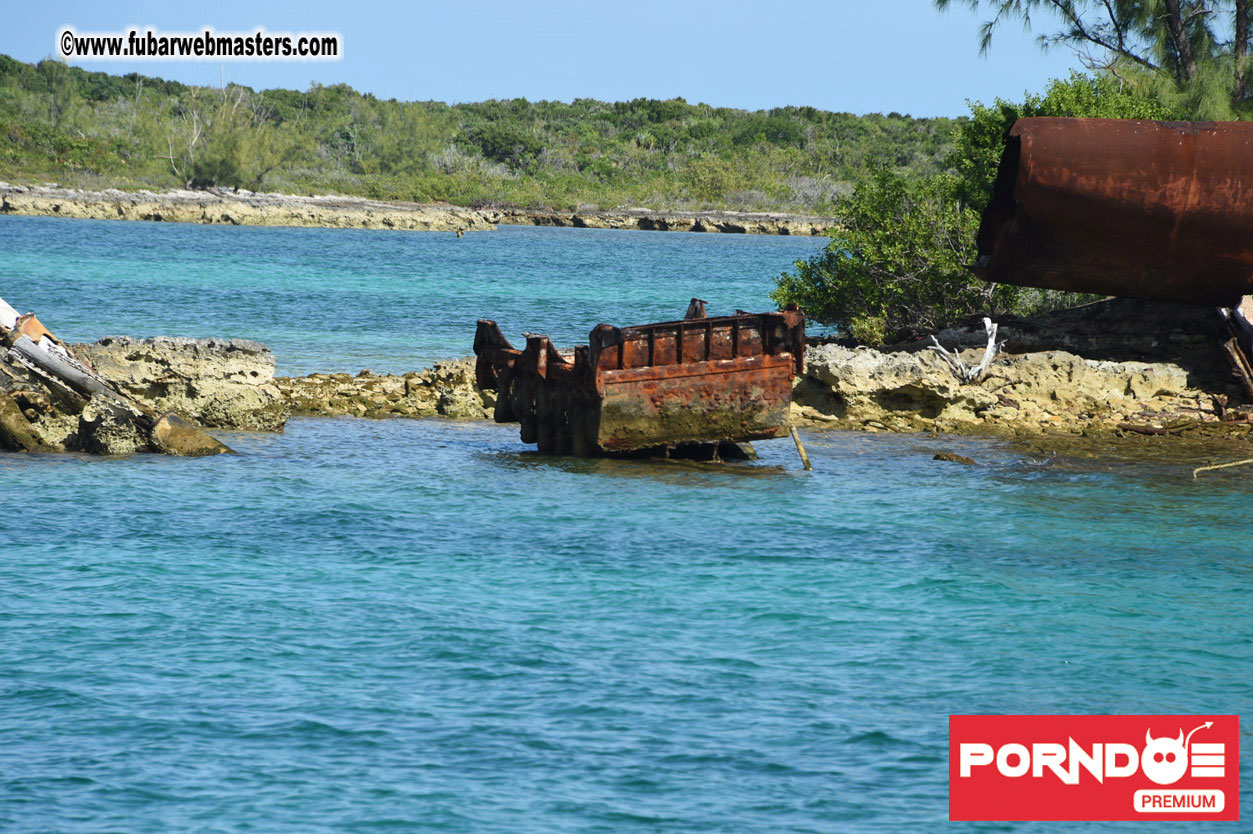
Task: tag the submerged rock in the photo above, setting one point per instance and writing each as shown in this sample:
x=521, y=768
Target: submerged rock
x=953, y=457
x=175, y=436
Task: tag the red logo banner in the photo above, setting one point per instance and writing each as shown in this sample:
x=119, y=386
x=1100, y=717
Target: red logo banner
x=1093, y=767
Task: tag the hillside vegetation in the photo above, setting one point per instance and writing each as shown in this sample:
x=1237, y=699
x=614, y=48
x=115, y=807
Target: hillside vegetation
x=91, y=129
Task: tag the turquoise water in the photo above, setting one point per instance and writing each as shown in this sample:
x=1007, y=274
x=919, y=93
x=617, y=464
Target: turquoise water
x=423, y=626
x=343, y=300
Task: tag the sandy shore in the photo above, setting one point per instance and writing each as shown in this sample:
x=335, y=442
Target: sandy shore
x=246, y=208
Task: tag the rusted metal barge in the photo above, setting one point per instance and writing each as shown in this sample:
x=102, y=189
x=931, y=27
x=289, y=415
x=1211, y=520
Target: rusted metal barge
x=702, y=380
x=1142, y=209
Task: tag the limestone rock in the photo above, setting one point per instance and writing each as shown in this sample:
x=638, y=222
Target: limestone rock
x=237, y=208
x=51, y=417
x=900, y=390
x=16, y=431
x=175, y=436
x=726, y=222
x=107, y=429
x=445, y=390
x=217, y=383
x=915, y=390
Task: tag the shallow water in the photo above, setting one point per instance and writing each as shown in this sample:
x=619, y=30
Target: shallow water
x=421, y=625
x=343, y=300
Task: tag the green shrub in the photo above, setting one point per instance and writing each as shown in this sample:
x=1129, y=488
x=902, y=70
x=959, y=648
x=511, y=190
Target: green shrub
x=505, y=143
x=896, y=265
x=979, y=140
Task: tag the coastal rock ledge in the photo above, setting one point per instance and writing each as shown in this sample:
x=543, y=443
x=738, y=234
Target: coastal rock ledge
x=1107, y=365
x=238, y=208
x=248, y=208
x=1151, y=369
x=649, y=220
x=217, y=383
x=446, y=389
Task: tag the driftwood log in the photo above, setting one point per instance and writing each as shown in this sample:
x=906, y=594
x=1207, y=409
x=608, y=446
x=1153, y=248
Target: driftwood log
x=954, y=360
x=72, y=373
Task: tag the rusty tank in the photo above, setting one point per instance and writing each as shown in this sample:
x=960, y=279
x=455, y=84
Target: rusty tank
x=651, y=387
x=1143, y=209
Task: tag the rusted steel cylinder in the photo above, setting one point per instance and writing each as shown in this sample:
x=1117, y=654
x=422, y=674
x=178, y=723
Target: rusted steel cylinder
x=1122, y=207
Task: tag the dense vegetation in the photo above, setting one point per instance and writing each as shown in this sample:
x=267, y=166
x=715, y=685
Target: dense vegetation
x=1191, y=55
x=92, y=129
x=897, y=265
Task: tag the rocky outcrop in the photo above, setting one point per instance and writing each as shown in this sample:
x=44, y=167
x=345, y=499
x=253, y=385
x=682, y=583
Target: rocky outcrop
x=242, y=208
x=216, y=383
x=50, y=401
x=725, y=222
x=248, y=208
x=864, y=388
x=1121, y=365
x=1143, y=363
x=163, y=389
x=445, y=390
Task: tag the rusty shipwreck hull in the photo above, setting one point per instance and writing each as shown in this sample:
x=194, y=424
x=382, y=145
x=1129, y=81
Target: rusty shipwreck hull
x=700, y=380
x=1142, y=209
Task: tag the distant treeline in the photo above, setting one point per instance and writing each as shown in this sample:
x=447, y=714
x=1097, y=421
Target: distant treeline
x=93, y=130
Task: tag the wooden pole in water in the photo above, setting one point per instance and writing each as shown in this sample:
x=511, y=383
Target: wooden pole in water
x=800, y=447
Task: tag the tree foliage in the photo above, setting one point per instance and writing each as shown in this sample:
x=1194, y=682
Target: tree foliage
x=222, y=138
x=77, y=127
x=1195, y=52
x=896, y=265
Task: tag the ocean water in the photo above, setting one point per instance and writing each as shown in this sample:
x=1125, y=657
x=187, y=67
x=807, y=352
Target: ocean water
x=343, y=300
x=424, y=626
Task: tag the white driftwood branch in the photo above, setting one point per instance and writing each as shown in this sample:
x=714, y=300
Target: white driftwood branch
x=1201, y=469
x=960, y=369
x=8, y=316
x=62, y=368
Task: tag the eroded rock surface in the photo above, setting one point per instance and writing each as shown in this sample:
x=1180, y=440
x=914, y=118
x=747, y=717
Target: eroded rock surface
x=247, y=208
x=216, y=383
x=445, y=390
x=724, y=222
x=238, y=208
x=1143, y=362
x=51, y=401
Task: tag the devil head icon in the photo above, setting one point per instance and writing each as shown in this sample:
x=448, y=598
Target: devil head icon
x=1164, y=760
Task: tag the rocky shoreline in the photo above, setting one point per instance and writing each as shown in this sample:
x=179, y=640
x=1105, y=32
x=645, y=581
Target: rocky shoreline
x=242, y=208
x=446, y=389
x=1106, y=366
x=1117, y=368
x=245, y=208
x=724, y=222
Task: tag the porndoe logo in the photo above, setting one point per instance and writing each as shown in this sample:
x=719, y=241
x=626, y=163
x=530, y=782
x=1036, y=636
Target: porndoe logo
x=1093, y=767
